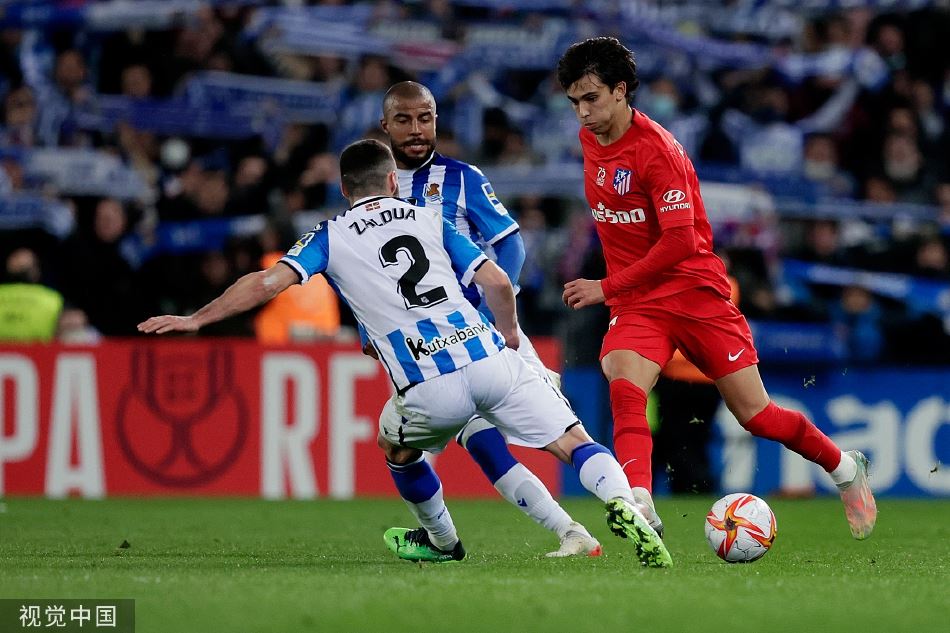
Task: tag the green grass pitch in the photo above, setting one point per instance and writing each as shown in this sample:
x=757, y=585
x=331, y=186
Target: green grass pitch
x=241, y=565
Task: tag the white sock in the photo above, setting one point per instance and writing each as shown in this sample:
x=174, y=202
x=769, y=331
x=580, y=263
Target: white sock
x=522, y=488
x=435, y=518
x=642, y=495
x=601, y=475
x=846, y=470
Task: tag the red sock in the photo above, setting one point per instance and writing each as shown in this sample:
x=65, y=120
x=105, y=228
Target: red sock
x=633, y=443
x=797, y=433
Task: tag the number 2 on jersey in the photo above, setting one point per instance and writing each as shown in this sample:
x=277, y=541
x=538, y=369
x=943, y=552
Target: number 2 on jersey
x=412, y=277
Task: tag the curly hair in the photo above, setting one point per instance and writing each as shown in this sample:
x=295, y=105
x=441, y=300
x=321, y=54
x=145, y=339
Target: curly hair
x=605, y=57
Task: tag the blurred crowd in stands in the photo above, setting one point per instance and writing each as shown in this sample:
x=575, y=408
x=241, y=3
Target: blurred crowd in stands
x=853, y=154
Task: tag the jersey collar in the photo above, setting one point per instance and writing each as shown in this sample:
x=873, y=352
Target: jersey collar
x=427, y=162
x=367, y=200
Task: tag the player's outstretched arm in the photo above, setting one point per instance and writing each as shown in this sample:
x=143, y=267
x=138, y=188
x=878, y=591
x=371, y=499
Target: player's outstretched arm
x=500, y=297
x=248, y=292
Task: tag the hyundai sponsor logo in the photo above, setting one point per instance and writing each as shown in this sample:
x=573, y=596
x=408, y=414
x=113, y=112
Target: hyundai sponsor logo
x=673, y=196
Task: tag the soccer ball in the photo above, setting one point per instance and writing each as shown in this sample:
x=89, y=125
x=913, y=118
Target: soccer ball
x=740, y=528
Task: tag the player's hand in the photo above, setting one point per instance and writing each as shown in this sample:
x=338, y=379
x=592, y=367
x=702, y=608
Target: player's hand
x=581, y=293
x=370, y=350
x=512, y=340
x=168, y=323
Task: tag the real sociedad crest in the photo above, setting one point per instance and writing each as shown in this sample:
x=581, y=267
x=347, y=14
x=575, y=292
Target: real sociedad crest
x=622, y=181
x=432, y=193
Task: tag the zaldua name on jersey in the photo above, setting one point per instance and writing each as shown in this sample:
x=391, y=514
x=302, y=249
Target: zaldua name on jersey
x=385, y=217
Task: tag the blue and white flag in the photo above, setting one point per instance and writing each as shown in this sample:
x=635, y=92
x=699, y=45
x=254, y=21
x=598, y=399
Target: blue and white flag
x=297, y=101
x=266, y=18
x=921, y=296
x=26, y=211
x=863, y=64
x=84, y=172
x=110, y=15
x=175, y=117
x=517, y=47
x=340, y=31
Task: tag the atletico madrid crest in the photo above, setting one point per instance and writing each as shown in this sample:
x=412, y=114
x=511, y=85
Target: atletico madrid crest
x=622, y=181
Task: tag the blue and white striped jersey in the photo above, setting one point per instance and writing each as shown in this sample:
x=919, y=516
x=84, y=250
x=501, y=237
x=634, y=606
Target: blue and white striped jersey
x=463, y=195
x=398, y=267
x=466, y=200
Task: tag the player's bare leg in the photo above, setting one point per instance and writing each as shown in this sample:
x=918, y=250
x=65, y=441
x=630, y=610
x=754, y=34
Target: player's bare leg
x=745, y=395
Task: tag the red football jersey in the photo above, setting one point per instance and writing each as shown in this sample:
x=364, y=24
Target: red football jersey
x=638, y=186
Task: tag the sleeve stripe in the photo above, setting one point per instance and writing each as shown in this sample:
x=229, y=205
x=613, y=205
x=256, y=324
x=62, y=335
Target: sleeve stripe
x=508, y=231
x=304, y=277
x=472, y=268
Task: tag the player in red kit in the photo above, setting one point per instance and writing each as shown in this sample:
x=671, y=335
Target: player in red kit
x=665, y=287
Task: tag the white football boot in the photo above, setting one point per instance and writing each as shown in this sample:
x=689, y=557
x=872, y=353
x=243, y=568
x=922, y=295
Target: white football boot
x=577, y=541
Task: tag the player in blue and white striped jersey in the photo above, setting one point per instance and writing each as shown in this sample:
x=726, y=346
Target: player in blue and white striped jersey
x=396, y=265
x=465, y=198
x=419, y=323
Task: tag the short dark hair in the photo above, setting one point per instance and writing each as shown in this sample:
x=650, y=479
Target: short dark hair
x=364, y=166
x=605, y=57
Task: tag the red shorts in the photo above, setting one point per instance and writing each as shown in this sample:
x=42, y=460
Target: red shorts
x=708, y=329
